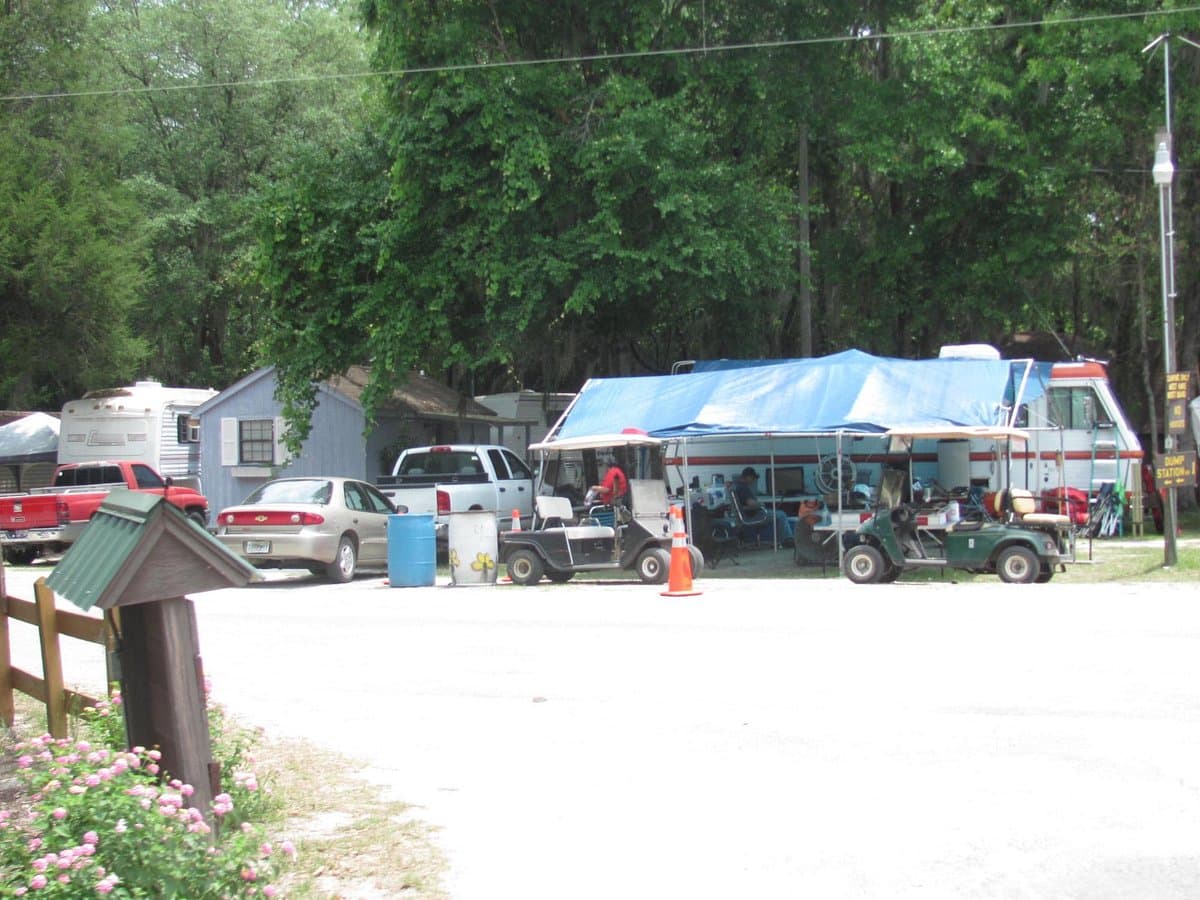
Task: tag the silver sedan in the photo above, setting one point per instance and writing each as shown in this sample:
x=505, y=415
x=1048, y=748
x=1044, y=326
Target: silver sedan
x=327, y=525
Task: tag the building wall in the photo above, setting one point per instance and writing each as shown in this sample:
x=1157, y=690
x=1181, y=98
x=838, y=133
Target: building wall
x=335, y=445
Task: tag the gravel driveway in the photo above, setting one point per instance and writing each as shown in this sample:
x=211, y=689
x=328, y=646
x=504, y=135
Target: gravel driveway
x=770, y=738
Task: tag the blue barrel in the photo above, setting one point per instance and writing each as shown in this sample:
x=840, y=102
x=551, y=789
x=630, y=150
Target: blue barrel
x=411, y=550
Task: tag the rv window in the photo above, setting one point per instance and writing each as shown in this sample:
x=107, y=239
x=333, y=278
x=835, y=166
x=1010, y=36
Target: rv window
x=187, y=429
x=1077, y=407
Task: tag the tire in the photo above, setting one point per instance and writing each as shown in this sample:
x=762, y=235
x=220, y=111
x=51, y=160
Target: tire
x=1018, y=565
x=891, y=574
x=198, y=517
x=1044, y=575
x=20, y=556
x=559, y=577
x=525, y=567
x=654, y=565
x=697, y=560
x=864, y=564
x=345, y=562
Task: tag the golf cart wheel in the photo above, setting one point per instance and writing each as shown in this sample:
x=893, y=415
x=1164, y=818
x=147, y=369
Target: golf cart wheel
x=1018, y=565
x=1044, y=574
x=654, y=565
x=697, y=560
x=559, y=577
x=864, y=564
x=891, y=573
x=525, y=567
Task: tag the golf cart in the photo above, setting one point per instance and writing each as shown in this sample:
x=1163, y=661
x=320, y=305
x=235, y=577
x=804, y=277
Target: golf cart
x=1021, y=547
x=560, y=544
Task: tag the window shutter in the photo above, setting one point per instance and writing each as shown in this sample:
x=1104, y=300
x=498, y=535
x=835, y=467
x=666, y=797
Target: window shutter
x=229, y=442
x=281, y=454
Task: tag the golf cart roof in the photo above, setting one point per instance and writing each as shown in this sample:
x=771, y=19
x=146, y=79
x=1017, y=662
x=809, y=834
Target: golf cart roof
x=599, y=441
x=960, y=432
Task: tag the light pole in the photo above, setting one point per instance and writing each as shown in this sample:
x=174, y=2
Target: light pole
x=1164, y=174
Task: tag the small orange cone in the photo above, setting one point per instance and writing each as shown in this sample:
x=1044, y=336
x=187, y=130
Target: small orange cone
x=679, y=580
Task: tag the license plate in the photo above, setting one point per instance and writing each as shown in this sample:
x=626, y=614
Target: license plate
x=258, y=546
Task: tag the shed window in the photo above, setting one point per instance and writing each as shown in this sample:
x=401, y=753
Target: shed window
x=256, y=441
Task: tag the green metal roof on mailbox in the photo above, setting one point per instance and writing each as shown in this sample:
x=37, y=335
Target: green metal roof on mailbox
x=139, y=548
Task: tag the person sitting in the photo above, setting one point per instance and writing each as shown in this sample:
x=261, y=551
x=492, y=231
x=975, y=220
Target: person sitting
x=612, y=487
x=745, y=493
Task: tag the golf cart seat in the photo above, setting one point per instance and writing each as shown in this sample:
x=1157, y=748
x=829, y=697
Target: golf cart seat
x=557, y=512
x=1022, y=504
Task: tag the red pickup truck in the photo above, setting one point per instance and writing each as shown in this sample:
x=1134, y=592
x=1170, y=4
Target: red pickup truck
x=46, y=520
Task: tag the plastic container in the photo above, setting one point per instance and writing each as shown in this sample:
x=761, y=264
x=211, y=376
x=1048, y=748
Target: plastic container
x=474, y=547
x=411, y=550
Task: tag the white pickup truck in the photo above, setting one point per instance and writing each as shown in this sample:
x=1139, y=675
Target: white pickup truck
x=453, y=478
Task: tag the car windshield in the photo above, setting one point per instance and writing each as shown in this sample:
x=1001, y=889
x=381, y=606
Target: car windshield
x=304, y=490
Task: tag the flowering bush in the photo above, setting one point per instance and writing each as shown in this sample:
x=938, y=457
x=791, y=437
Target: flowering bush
x=98, y=820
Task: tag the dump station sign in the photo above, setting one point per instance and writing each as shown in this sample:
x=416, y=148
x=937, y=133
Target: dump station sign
x=1175, y=470
x=1177, y=398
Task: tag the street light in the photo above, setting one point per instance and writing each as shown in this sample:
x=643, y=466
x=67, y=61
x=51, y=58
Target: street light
x=1164, y=174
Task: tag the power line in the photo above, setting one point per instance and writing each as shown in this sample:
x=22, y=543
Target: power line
x=609, y=57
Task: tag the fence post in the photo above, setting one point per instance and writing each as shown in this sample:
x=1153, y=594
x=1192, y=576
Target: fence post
x=7, y=711
x=52, y=674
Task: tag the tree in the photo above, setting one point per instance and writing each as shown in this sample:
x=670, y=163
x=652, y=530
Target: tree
x=70, y=258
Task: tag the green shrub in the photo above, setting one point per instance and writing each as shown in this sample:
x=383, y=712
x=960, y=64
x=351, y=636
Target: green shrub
x=97, y=818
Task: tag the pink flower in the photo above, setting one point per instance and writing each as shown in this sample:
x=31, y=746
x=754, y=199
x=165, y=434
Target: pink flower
x=121, y=827
x=64, y=878
x=59, y=813
x=103, y=887
x=248, y=874
x=38, y=882
x=25, y=761
x=289, y=848
x=269, y=890
x=91, y=837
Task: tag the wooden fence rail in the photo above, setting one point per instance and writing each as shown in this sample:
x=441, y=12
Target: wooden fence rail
x=52, y=624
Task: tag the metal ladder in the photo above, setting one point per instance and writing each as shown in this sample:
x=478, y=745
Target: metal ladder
x=1104, y=471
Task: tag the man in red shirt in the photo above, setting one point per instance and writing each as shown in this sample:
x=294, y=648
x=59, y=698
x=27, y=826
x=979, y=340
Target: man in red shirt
x=612, y=487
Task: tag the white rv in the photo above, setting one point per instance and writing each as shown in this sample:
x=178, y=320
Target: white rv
x=1079, y=440
x=145, y=422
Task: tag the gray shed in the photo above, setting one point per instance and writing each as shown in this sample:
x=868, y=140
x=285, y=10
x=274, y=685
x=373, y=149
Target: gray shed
x=241, y=431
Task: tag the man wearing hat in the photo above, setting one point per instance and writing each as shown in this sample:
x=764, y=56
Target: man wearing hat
x=746, y=494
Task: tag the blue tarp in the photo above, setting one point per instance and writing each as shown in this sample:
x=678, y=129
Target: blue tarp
x=848, y=391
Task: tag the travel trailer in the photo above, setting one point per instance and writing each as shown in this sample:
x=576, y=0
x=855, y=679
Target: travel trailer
x=145, y=422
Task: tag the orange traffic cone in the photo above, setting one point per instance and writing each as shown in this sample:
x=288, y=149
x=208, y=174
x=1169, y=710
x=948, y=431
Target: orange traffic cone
x=679, y=580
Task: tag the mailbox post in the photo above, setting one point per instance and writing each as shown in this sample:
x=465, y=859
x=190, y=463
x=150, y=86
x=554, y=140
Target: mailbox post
x=136, y=560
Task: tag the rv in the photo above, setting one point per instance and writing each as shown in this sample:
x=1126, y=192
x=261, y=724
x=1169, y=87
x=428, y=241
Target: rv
x=1078, y=442
x=145, y=422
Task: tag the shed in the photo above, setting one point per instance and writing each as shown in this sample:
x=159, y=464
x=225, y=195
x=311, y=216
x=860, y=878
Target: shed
x=242, y=431
x=28, y=451
x=136, y=560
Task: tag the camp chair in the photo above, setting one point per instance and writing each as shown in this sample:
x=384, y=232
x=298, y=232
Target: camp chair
x=745, y=522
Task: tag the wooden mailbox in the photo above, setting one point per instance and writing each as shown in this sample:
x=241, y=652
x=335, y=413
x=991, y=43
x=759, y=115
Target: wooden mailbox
x=136, y=560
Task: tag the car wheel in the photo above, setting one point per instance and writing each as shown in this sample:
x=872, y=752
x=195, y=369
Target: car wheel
x=198, y=517
x=864, y=564
x=525, y=567
x=653, y=565
x=560, y=577
x=1018, y=565
x=342, y=568
x=697, y=560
